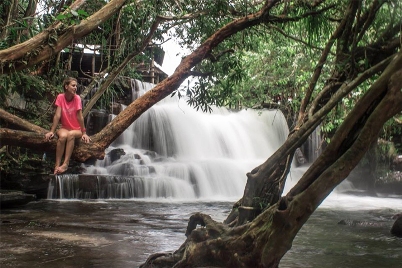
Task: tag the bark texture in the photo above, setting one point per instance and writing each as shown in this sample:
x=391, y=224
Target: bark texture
x=54, y=39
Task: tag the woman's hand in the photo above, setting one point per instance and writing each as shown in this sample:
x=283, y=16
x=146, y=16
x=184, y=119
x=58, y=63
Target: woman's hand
x=85, y=138
x=49, y=136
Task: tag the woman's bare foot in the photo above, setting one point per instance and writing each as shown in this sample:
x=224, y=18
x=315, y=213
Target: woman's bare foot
x=63, y=168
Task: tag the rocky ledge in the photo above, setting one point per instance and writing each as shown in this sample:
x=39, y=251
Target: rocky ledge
x=14, y=198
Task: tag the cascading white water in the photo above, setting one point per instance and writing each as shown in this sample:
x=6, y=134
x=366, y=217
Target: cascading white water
x=174, y=151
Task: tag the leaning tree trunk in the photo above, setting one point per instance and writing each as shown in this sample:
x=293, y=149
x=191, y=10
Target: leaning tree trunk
x=264, y=241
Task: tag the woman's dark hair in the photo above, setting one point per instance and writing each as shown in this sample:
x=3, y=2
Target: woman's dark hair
x=67, y=81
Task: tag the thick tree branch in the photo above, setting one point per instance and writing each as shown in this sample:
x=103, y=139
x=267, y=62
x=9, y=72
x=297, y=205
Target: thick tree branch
x=297, y=138
x=36, y=142
x=322, y=185
x=20, y=123
x=31, y=140
x=19, y=57
x=367, y=19
x=19, y=51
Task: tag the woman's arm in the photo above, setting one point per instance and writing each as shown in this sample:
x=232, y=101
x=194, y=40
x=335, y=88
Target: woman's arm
x=56, y=119
x=80, y=119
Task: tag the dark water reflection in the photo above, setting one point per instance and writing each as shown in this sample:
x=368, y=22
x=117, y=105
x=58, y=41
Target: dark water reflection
x=123, y=233
x=324, y=243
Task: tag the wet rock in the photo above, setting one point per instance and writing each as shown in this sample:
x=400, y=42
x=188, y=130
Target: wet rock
x=14, y=198
x=300, y=158
x=152, y=170
x=151, y=154
x=360, y=223
x=35, y=184
x=390, y=184
x=116, y=154
x=397, y=163
x=97, y=120
x=116, y=108
x=396, y=229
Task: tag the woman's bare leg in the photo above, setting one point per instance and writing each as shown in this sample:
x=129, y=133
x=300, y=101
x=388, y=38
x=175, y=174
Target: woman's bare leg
x=69, y=147
x=61, y=145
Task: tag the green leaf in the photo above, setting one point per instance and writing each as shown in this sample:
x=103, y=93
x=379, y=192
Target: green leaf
x=61, y=17
x=83, y=13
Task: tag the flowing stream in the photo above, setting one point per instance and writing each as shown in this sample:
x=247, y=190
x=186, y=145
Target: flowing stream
x=178, y=161
x=122, y=233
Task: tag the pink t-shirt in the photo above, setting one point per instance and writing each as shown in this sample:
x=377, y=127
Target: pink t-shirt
x=69, y=111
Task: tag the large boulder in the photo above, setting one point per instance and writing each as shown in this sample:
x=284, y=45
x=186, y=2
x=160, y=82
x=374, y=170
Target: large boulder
x=396, y=229
x=29, y=183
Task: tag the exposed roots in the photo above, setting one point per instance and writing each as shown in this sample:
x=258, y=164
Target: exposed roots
x=215, y=244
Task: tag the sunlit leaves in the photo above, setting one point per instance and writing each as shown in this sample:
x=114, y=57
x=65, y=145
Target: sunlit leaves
x=72, y=17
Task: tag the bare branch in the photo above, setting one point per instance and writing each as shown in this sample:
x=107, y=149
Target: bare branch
x=183, y=17
x=319, y=66
x=200, y=74
x=295, y=38
x=216, y=58
x=116, y=71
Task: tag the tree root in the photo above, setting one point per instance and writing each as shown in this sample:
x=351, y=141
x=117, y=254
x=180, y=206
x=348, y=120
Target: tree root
x=213, y=244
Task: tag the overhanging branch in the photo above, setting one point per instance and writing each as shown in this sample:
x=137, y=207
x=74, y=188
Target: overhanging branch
x=19, y=57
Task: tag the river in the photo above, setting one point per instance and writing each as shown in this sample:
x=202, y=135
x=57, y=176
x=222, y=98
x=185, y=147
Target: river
x=123, y=233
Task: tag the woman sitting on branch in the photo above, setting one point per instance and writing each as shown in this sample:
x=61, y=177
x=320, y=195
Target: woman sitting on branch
x=69, y=113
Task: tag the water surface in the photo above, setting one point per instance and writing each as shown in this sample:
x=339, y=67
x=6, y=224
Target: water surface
x=123, y=233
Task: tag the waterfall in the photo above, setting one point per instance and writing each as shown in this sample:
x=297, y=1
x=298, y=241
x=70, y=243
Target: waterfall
x=174, y=151
x=313, y=146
